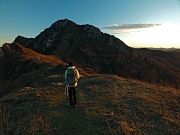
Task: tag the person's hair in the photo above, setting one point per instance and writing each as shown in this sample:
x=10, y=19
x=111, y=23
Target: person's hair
x=71, y=64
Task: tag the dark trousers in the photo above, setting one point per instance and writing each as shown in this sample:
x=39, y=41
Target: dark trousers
x=72, y=95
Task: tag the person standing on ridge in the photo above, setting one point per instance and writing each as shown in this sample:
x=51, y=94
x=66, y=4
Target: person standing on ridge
x=72, y=76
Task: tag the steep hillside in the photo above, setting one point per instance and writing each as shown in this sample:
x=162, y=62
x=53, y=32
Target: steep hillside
x=168, y=58
x=18, y=62
x=168, y=61
x=107, y=104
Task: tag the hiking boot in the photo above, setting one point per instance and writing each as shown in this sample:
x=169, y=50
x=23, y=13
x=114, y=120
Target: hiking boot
x=70, y=106
x=75, y=105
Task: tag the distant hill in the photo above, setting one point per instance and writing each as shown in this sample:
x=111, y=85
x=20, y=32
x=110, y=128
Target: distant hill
x=170, y=59
x=176, y=50
x=164, y=49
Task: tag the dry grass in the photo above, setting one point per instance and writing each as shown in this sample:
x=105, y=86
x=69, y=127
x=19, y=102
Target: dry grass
x=106, y=105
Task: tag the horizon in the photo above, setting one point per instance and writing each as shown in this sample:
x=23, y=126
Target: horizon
x=139, y=24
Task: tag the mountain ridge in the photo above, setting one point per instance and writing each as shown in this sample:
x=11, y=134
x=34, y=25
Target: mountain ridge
x=165, y=49
x=94, y=51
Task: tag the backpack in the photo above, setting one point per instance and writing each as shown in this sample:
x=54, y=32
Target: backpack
x=71, y=77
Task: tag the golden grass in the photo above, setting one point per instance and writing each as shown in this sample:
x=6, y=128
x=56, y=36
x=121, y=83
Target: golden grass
x=107, y=104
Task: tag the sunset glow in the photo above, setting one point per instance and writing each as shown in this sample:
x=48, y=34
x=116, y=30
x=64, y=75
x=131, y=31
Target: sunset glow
x=163, y=35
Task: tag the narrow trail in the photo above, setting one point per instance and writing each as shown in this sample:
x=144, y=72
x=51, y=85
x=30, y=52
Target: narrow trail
x=76, y=120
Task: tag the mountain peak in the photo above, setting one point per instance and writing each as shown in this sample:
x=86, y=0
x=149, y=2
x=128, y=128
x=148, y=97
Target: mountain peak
x=61, y=32
x=92, y=31
x=62, y=22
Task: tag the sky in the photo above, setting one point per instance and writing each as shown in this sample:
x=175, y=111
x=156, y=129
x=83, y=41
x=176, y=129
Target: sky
x=138, y=23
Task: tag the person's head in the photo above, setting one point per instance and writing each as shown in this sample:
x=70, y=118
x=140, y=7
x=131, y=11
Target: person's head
x=71, y=64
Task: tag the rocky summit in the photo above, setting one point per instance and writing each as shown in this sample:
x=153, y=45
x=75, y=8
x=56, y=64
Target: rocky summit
x=65, y=32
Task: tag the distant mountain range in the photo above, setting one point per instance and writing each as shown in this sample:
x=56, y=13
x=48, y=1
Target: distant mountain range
x=166, y=49
x=90, y=50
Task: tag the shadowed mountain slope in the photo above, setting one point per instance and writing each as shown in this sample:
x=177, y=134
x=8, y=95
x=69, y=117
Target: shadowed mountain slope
x=168, y=58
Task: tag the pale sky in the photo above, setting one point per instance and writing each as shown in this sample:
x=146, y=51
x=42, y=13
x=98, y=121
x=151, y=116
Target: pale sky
x=138, y=23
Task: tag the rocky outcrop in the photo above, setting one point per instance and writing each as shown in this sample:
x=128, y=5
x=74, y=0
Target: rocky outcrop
x=60, y=23
x=92, y=31
x=23, y=40
x=120, y=45
x=1, y=53
x=6, y=49
x=116, y=43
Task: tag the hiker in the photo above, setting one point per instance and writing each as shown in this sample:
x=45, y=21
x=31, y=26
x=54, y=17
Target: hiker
x=72, y=76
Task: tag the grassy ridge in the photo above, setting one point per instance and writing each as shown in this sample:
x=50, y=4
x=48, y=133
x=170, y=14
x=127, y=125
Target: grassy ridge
x=106, y=105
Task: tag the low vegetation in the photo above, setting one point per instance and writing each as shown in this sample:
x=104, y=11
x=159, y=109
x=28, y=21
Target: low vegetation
x=107, y=104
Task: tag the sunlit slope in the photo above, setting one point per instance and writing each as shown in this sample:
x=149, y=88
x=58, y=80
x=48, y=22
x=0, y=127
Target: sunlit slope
x=107, y=104
x=20, y=62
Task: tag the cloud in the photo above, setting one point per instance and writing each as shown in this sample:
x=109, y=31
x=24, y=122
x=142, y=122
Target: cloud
x=114, y=25
x=130, y=26
x=124, y=32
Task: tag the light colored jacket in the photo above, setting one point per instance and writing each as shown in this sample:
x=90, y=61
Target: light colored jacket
x=77, y=76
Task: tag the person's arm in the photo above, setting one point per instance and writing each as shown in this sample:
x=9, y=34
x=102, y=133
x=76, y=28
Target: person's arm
x=65, y=75
x=77, y=74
